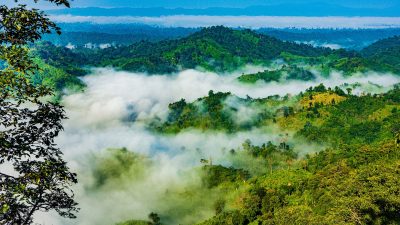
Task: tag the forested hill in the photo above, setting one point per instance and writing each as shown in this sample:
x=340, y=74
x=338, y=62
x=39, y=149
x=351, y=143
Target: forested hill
x=382, y=46
x=386, y=51
x=215, y=48
x=219, y=49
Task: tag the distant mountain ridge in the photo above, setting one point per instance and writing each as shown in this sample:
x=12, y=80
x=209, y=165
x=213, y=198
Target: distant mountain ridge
x=386, y=51
x=80, y=34
x=215, y=48
x=221, y=49
x=314, y=9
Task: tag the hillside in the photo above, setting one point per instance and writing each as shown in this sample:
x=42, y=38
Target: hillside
x=354, y=179
x=386, y=51
x=220, y=49
x=284, y=73
x=324, y=156
x=216, y=48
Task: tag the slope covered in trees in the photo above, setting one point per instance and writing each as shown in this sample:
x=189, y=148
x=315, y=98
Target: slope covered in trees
x=222, y=49
x=351, y=178
x=354, y=179
x=386, y=51
x=215, y=48
x=292, y=72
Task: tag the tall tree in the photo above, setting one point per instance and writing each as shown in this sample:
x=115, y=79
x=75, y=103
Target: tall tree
x=33, y=175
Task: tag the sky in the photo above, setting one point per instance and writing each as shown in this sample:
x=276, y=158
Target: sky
x=274, y=13
x=252, y=22
x=217, y=3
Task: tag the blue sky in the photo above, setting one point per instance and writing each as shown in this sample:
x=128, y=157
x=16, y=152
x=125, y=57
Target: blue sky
x=217, y=3
x=285, y=13
x=224, y=3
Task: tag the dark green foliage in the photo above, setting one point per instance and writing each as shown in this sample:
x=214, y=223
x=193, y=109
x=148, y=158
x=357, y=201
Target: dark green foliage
x=219, y=206
x=135, y=222
x=216, y=175
x=354, y=127
x=319, y=89
x=350, y=65
x=214, y=112
x=115, y=165
x=61, y=58
x=394, y=95
x=385, y=53
x=266, y=76
x=40, y=178
x=80, y=34
x=296, y=73
x=291, y=72
x=355, y=180
x=269, y=149
x=154, y=218
x=367, y=131
x=206, y=113
x=215, y=48
x=222, y=49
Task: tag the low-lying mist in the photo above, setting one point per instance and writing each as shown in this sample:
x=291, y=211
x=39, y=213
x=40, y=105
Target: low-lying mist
x=113, y=112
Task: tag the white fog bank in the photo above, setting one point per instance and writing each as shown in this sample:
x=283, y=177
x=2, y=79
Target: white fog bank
x=99, y=118
x=240, y=21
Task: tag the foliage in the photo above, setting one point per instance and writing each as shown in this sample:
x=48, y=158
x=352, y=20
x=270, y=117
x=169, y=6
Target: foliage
x=217, y=111
x=385, y=53
x=291, y=72
x=215, y=49
x=222, y=49
x=116, y=165
x=134, y=222
x=354, y=181
x=38, y=177
x=216, y=175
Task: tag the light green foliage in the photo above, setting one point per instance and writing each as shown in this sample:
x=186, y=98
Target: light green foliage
x=285, y=73
x=216, y=49
x=355, y=181
x=217, y=111
x=385, y=53
x=56, y=79
x=134, y=222
x=222, y=49
x=118, y=165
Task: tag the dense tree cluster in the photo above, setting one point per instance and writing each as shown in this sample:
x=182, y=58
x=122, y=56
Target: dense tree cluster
x=222, y=49
x=33, y=175
x=211, y=113
x=354, y=181
x=291, y=72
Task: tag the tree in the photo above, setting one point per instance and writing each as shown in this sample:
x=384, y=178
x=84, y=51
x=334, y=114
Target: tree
x=219, y=206
x=154, y=218
x=33, y=174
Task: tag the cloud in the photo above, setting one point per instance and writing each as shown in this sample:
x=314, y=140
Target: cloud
x=323, y=44
x=113, y=113
x=240, y=21
x=117, y=105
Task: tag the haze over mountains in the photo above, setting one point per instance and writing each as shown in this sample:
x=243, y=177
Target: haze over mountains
x=283, y=15
x=286, y=9
x=143, y=131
